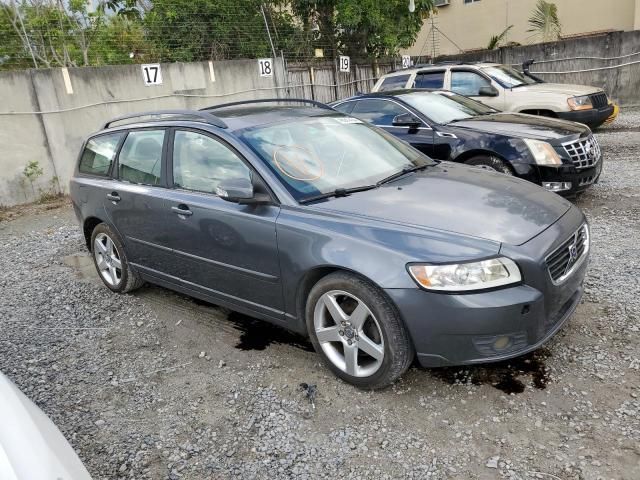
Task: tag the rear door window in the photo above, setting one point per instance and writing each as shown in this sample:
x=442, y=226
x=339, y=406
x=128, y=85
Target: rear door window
x=345, y=107
x=140, y=160
x=377, y=111
x=468, y=83
x=394, y=83
x=98, y=154
x=429, y=80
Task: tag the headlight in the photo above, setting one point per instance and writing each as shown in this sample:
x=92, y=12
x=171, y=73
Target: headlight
x=542, y=152
x=460, y=277
x=580, y=103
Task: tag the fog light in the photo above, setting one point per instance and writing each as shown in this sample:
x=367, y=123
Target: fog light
x=557, y=186
x=501, y=343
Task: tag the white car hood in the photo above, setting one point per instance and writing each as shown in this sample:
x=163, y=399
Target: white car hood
x=556, y=88
x=31, y=446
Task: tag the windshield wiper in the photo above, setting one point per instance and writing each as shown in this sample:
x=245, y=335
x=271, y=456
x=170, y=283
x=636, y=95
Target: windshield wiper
x=406, y=170
x=338, y=192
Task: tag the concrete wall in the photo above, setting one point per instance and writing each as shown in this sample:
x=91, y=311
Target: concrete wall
x=622, y=83
x=53, y=138
x=471, y=25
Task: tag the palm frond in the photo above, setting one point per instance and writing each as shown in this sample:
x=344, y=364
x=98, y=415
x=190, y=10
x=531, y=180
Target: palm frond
x=544, y=21
x=496, y=40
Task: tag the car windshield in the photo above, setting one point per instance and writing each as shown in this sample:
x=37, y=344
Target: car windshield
x=508, y=77
x=445, y=107
x=319, y=155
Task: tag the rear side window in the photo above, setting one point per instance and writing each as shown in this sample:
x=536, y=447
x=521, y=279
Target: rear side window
x=98, y=154
x=394, y=83
x=429, y=80
x=345, y=107
x=140, y=160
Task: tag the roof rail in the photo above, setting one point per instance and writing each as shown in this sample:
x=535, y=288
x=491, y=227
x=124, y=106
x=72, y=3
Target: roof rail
x=270, y=100
x=195, y=114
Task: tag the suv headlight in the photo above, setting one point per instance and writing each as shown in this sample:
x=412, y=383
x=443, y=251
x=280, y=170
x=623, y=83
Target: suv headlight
x=580, y=103
x=468, y=276
x=543, y=153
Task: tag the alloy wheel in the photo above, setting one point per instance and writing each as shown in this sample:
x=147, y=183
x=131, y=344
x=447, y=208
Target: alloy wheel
x=348, y=333
x=108, y=259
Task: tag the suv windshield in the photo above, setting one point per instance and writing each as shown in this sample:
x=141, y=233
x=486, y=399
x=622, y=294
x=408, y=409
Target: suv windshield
x=445, y=107
x=508, y=77
x=319, y=155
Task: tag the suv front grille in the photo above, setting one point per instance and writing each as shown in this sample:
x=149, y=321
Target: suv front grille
x=584, y=152
x=599, y=100
x=564, y=259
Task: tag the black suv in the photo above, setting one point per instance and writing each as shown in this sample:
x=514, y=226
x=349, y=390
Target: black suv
x=559, y=155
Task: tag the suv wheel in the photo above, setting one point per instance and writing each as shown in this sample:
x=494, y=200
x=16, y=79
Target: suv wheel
x=111, y=261
x=357, y=331
x=490, y=163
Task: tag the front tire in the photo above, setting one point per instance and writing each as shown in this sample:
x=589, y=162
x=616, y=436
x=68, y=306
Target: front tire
x=490, y=162
x=357, y=331
x=111, y=262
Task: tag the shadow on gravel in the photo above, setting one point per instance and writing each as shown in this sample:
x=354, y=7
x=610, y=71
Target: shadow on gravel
x=508, y=376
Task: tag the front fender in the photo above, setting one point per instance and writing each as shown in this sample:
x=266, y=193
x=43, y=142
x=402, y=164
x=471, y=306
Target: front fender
x=376, y=250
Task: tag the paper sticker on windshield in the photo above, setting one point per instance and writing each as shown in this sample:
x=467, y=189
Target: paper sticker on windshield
x=448, y=94
x=347, y=120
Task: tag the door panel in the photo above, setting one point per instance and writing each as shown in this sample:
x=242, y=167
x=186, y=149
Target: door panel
x=135, y=202
x=226, y=249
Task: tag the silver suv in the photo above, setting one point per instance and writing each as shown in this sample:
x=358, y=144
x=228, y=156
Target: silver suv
x=505, y=88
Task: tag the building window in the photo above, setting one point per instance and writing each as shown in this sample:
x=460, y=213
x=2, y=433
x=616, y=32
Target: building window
x=471, y=1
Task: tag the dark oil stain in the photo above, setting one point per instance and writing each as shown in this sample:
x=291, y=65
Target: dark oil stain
x=258, y=334
x=506, y=376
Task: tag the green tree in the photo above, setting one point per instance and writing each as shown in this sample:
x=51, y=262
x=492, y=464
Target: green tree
x=362, y=28
x=188, y=30
x=544, y=21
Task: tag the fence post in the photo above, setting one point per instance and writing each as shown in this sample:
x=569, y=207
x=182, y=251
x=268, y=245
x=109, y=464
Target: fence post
x=312, y=79
x=335, y=78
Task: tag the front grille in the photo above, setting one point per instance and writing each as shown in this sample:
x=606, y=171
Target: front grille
x=584, y=153
x=567, y=256
x=599, y=100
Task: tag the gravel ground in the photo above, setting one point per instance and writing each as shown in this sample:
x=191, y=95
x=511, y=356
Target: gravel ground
x=155, y=385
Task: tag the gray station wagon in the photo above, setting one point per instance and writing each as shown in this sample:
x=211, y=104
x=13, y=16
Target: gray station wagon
x=330, y=227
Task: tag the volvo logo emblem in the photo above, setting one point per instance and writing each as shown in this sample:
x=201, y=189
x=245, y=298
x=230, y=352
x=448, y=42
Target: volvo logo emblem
x=573, y=255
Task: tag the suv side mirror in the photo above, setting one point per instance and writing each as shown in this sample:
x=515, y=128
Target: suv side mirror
x=488, y=91
x=406, y=120
x=241, y=190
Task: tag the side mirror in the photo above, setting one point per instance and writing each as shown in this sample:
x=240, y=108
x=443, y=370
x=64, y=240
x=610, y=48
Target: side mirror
x=488, y=91
x=406, y=120
x=240, y=190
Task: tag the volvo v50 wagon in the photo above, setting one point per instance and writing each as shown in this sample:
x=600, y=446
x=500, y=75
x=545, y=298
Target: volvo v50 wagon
x=331, y=227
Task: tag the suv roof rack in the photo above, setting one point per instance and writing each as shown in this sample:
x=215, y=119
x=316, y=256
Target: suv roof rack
x=269, y=100
x=194, y=114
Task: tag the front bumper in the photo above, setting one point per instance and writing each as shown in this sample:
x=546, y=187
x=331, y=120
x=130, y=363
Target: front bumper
x=580, y=179
x=593, y=118
x=500, y=324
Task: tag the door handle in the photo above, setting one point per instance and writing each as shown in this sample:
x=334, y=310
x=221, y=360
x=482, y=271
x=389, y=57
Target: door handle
x=114, y=197
x=182, y=210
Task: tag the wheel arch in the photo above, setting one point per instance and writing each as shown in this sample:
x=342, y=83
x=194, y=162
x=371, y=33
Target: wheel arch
x=476, y=152
x=313, y=276
x=88, y=226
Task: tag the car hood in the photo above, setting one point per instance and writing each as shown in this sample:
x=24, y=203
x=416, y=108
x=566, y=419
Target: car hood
x=522, y=125
x=459, y=199
x=31, y=446
x=567, y=90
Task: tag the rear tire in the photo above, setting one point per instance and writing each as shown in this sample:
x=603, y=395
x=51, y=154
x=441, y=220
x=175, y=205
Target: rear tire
x=111, y=261
x=368, y=346
x=490, y=162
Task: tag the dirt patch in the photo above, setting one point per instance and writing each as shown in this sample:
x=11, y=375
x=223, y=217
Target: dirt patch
x=11, y=213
